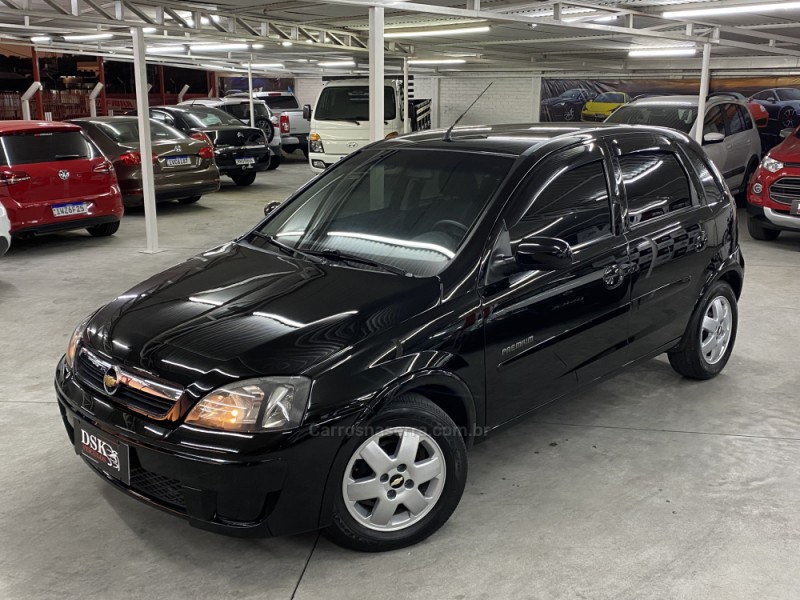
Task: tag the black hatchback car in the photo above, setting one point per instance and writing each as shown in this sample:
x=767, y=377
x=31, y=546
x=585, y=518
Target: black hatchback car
x=239, y=151
x=330, y=368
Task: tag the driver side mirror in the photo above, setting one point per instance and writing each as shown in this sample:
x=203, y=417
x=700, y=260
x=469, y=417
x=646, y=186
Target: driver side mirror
x=547, y=253
x=713, y=138
x=270, y=206
x=307, y=112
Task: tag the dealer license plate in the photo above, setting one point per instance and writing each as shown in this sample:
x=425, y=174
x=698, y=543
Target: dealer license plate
x=178, y=161
x=73, y=208
x=246, y=161
x=103, y=451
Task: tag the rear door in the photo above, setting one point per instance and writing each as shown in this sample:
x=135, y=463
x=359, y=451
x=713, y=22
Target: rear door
x=714, y=122
x=546, y=330
x=737, y=142
x=671, y=233
x=54, y=166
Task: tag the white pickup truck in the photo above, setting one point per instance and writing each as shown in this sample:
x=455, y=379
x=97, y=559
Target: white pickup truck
x=294, y=128
x=340, y=119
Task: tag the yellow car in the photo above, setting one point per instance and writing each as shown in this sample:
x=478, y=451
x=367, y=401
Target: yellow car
x=603, y=105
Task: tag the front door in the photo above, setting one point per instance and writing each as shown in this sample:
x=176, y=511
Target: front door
x=547, y=329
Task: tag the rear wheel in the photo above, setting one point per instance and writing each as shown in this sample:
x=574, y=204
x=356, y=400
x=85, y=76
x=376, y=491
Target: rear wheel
x=787, y=116
x=709, y=338
x=103, y=230
x=757, y=231
x=274, y=162
x=402, y=480
x=189, y=200
x=243, y=179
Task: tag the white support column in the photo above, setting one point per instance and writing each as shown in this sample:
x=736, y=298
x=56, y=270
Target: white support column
x=406, y=103
x=436, y=113
x=250, y=93
x=536, y=99
x=376, y=112
x=705, y=80
x=145, y=144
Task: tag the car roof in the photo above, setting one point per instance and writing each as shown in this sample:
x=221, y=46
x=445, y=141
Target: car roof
x=516, y=138
x=29, y=126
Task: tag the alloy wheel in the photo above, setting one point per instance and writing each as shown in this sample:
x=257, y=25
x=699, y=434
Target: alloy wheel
x=715, y=330
x=394, y=479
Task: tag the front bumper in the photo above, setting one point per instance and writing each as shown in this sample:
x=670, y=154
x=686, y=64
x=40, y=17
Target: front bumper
x=765, y=206
x=228, y=484
x=320, y=162
x=594, y=117
x=774, y=219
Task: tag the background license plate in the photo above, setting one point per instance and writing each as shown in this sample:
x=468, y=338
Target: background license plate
x=796, y=208
x=177, y=161
x=74, y=208
x=104, y=452
x=245, y=161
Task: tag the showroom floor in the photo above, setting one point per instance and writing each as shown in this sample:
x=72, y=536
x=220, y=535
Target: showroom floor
x=647, y=486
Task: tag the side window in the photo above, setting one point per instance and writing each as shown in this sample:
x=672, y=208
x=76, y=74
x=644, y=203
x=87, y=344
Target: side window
x=713, y=189
x=655, y=185
x=733, y=119
x=715, y=122
x=162, y=116
x=574, y=206
x=744, y=114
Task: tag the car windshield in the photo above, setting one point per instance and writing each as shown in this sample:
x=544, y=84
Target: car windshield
x=242, y=110
x=205, y=116
x=281, y=102
x=674, y=116
x=571, y=94
x=351, y=103
x=127, y=131
x=406, y=209
x=788, y=94
x=613, y=97
x=44, y=146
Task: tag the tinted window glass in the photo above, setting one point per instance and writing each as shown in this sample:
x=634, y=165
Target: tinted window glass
x=674, y=116
x=573, y=207
x=242, y=110
x=714, y=122
x=407, y=208
x=746, y=117
x=733, y=117
x=40, y=147
x=205, y=116
x=713, y=189
x=127, y=132
x=655, y=185
x=788, y=94
x=614, y=97
x=161, y=116
x=351, y=103
x=280, y=103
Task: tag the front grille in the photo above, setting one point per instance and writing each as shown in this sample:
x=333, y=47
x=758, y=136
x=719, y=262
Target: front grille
x=90, y=371
x=161, y=488
x=786, y=190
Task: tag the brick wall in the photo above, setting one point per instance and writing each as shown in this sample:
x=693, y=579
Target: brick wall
x=509, y=100
x=307, y=89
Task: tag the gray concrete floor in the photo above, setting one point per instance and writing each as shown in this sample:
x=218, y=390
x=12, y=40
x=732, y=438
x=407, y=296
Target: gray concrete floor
x=645, y=487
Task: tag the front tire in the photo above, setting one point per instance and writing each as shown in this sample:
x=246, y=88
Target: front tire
x=402, y=480
x=710, y=336
x=103, y=230
x=244, y=179
x=741, y=199
x=758, y=232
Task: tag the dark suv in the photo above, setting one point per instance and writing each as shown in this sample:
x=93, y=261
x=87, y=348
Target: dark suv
x=330, y=368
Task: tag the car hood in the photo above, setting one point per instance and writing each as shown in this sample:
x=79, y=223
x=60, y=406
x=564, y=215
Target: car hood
x=245, y=312
x=788, y=150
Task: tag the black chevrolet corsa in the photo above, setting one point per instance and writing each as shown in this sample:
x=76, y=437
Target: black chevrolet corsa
x=330, y=368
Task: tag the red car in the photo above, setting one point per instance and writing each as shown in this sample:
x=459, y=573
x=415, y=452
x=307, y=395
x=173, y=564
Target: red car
x=759, y=114
x=773, y=195
x=52, y=178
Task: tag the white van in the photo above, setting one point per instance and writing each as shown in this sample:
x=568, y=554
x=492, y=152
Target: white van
x=340, y=119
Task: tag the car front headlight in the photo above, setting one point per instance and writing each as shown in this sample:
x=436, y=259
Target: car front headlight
x=72, y=347
x=266, y=404
x=315, y=143
x=771, y=165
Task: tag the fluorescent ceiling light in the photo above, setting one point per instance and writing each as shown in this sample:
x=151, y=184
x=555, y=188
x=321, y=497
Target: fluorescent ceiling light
x=218, y=47
x=655, y=52
x=436, y=61
x=88, y=37
x=287, y=44
x=732, y=10
x=218, y=67
x=166, y=49
x=337, y=63
x=149, y=30
x=425, y=33
x=40, y=39
x=266, y=65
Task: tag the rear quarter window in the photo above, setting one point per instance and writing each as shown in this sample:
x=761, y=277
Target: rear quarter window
x=43, y=147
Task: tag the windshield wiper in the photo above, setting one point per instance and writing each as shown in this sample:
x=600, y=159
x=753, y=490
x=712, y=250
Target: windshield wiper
x=285, y=248
x=342, y=257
